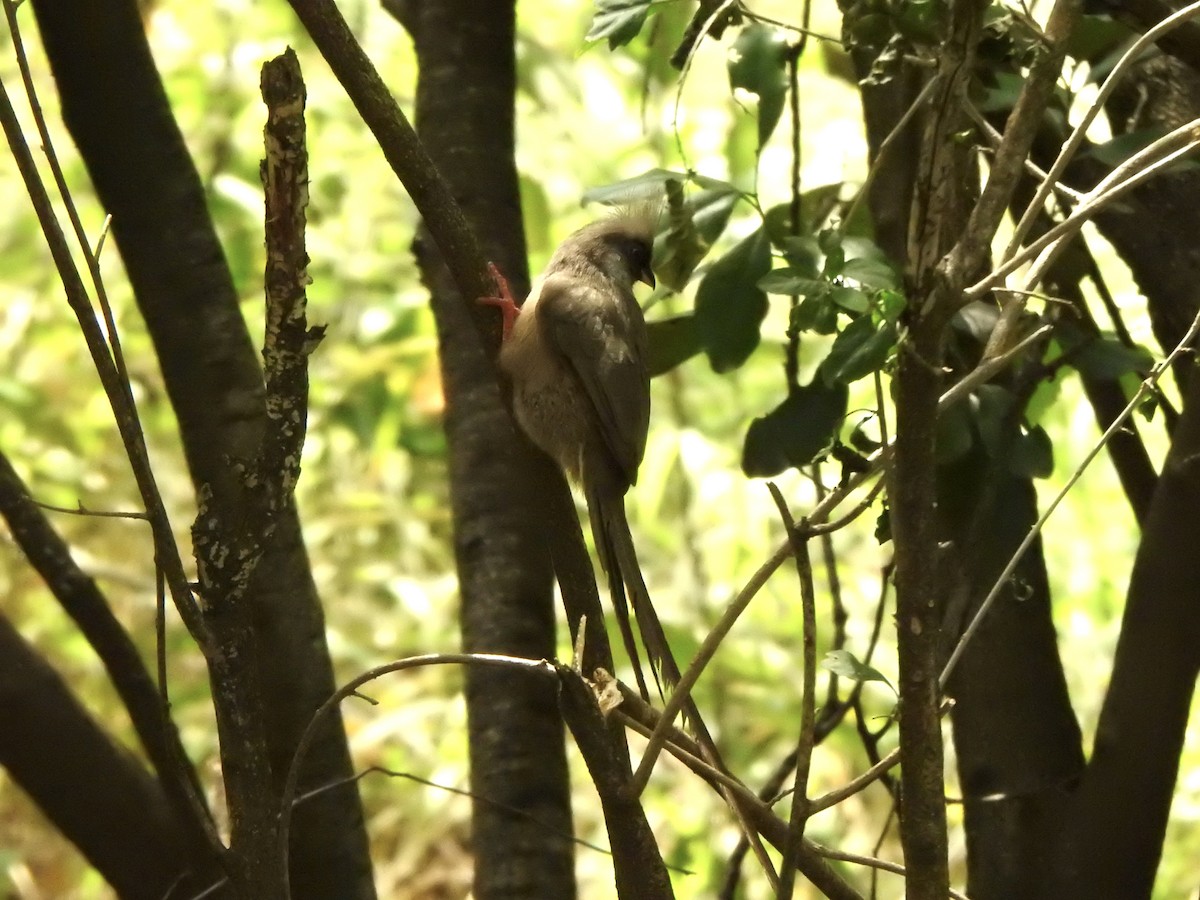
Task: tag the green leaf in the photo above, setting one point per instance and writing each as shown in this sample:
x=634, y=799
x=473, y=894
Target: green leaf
x=1045, y=395
x=859, y=247
x=890, y=304
x=846, y=664
x=1003, y=93
x=850, y=299
x=815, y=206
x=711, y=209
x=830, y=242
x=976, y=321
x=648, y=185
x=789, y=281
x=954, y=437
x=618, y=20
x=862, y=347
x=1119, y=149
x=991, y=407
x=794, y=432
x=883, y=525
x=1108, y=359
x=1093, y=36
x=1032, y=455
x=640, y=187
x=803, y=254
x=816, y=313
x=672, y=342
x=535, y=207
x=758, y=63
x=730, y=306
x=871, y=273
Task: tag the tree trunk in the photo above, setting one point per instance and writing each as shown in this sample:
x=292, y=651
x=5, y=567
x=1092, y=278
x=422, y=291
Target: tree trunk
x=521, y=820
x=110, y=91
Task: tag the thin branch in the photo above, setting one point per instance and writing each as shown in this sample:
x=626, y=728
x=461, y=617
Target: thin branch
x=1172, y=147
x=116, y=389
x=832, y=707
x=989, y=367
x=873, y=862
x=852, y=787
x=770, y=826
x=838, y=524
x=81, y=510
x=474, y=796
x=1175, y=145
x=995, y=138
x=787, y=26
x=791, y=354
x=970, y=252
x=288, y=796
x=886, y=145
x=408, y=159
x=1077, y=136
x=91, y=257
x=50, y=556
x=720, y=9
x=801, y=809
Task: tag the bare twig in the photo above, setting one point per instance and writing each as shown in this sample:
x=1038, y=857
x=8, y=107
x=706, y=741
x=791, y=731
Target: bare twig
x=989, y=367
x=971, y=251
x=289, y=794
x=885, y=146
x=404, y=153
x=852, y=787
x=768, y=824
x=474, y=796
x=116, y=387
x=1076, y=139
x=808, y=695
x=995, y=138
x=1164, y=151
x=832, y=707
x=873, y=862
x=81, y=510
x=79, y=596
x=91, y=257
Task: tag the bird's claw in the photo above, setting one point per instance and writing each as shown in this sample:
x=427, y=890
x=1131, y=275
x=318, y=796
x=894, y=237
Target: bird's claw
x=503, y=301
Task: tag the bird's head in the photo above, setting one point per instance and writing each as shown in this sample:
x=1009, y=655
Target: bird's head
x=620, y=246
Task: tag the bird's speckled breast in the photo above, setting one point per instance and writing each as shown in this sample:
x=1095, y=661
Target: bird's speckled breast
x=547, y=398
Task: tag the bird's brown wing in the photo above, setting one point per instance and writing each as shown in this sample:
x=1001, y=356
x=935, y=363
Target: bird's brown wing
x=601, y=335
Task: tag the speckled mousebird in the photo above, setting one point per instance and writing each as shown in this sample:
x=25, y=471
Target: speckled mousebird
x=577, y=357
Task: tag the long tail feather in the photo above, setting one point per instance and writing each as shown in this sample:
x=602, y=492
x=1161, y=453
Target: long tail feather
x=616, y=585
x=628, y=571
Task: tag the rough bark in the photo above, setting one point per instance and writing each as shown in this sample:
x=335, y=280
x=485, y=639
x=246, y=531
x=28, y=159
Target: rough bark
x=464, y=117
x=460, y=249
x=941, y=204
x=1017, y=743
x=110, y=90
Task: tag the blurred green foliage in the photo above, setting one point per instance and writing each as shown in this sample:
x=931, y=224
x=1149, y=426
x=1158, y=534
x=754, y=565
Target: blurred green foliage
x=373, y=494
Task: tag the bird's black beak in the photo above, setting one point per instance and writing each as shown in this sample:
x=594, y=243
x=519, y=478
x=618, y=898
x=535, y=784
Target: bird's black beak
x=646, y=276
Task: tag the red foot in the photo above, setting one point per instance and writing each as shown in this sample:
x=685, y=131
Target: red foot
x=504, y=302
